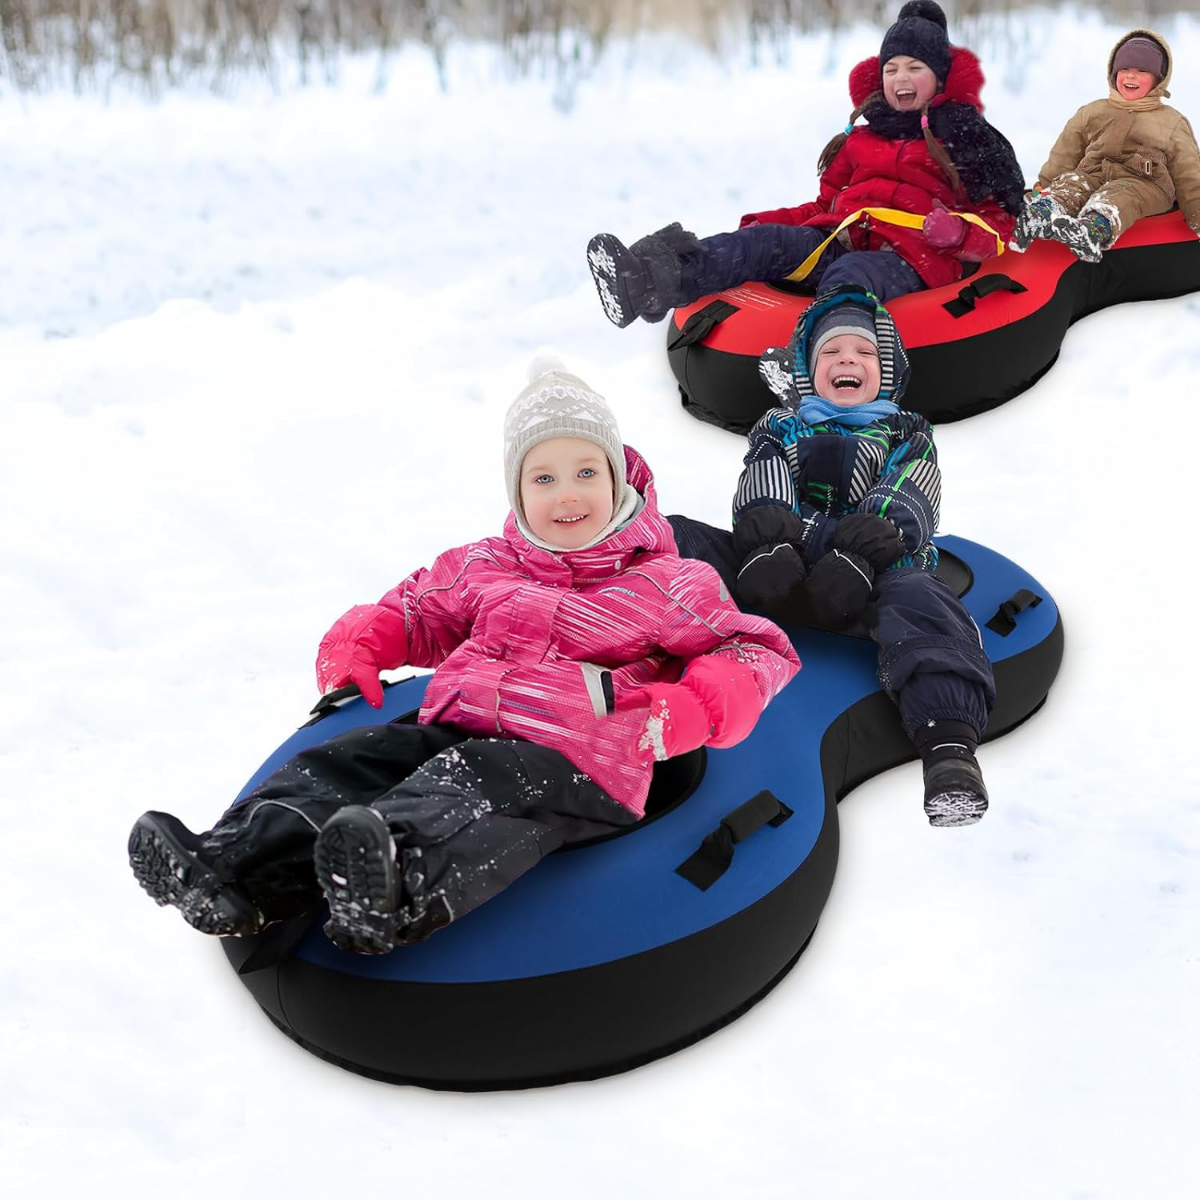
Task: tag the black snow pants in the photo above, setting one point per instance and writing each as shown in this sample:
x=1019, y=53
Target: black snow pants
x=468, y=815
x=931, y=658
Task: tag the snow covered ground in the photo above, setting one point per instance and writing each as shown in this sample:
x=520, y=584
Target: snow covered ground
x=254, y=355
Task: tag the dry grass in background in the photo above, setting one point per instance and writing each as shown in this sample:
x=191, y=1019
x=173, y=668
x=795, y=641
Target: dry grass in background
x=165, y=42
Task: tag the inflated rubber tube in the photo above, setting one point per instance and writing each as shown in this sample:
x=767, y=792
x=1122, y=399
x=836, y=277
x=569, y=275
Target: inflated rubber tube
x=606, y=956
x=972, y=345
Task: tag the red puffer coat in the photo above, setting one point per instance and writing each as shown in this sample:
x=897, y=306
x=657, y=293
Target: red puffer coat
x=522, y=638
x=885, y=172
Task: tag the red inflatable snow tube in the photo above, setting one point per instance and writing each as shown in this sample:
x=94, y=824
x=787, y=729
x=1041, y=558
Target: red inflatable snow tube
x=972, y=345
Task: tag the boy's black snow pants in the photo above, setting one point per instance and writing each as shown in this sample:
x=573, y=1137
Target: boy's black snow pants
x=931, y=659
x=468, y=815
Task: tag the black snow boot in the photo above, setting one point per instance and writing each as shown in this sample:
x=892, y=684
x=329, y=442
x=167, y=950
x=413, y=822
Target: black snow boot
x=954, y=790
x=642, y=280
x=355, y=860
x=174, y=867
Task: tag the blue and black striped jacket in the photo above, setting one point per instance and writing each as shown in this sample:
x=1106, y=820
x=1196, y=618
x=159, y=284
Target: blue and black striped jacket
x=799, y=479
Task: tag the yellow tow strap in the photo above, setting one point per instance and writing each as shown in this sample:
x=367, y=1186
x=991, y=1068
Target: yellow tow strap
x=890, y=216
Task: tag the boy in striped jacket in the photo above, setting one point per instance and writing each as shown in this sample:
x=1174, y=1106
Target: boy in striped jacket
x=833, y=525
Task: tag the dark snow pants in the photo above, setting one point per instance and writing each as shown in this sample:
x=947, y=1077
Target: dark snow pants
x=931, y=659
x=468, y=816
x=769, y=253
x=695, y=539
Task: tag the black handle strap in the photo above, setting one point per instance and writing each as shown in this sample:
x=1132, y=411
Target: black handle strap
x=332, y=701
x=1004, y=621
x=700, y=324
x=985, y=285
x=711, y=860
x=278, y=942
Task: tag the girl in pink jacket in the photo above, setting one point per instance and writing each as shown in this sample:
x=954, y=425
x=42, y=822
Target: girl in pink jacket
x=571, y=654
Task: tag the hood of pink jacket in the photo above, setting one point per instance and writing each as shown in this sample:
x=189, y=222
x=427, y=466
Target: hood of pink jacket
x=648, y=531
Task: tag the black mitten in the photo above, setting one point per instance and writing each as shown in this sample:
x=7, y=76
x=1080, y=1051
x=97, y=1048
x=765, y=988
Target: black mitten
x=874, y=538
x=839, y=587
x=771, y=578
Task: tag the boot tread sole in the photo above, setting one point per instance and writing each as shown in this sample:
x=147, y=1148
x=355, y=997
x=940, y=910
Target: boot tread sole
x=355, y=861
x=1074, y=234
x=171, y=874
x=604, y=255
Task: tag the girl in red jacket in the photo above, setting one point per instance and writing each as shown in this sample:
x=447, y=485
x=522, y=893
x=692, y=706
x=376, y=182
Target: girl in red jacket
x=571, y=654
x=924, y=186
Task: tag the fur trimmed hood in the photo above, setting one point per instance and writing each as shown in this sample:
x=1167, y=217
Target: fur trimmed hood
x=964, y=83
x=647, y=532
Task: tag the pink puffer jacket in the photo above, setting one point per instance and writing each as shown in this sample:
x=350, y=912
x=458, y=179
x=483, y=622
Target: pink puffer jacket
x=522, y=638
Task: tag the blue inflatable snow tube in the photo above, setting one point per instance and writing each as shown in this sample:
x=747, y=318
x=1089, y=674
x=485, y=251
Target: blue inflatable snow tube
x=608, y=955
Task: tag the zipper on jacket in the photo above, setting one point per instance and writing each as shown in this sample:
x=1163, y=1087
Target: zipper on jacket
x=598, y=683
x=496, y=711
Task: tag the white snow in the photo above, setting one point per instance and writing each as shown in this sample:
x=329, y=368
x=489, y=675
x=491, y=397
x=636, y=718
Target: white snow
x=255, y=353
x=653, y=733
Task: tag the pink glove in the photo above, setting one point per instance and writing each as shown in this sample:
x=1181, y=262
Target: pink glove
x=943, y=229
x=364, y=641
x=716, y=703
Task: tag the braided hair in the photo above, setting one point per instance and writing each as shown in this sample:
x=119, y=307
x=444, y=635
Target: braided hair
x=936, y=150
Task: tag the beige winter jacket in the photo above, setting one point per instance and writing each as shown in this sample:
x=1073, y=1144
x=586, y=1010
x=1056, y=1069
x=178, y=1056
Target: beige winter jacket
x=1142, y=140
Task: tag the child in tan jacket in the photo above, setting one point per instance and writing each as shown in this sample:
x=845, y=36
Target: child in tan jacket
x=1117, y=159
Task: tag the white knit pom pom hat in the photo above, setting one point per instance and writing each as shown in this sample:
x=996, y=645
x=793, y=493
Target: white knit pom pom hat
x=553, y=404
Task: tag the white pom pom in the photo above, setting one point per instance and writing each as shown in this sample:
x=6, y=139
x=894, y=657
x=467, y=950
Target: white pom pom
x=543, y=364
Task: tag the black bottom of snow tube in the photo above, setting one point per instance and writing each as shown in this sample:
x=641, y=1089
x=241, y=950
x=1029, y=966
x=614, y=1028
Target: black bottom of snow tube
x=566, y=1013
x=972, y=345
x=606, y=957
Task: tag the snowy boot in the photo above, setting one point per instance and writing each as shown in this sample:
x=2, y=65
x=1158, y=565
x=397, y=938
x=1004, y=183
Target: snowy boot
x=954, y=790
x=1034, y=222
x=642, y=280
x=355, y=860
x=174, y=867
x=1086, y=236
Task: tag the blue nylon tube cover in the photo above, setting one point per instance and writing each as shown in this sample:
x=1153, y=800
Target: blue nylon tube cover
x=621, y=897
